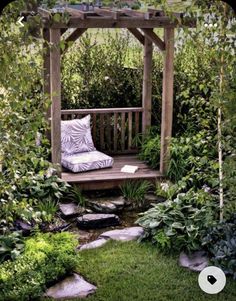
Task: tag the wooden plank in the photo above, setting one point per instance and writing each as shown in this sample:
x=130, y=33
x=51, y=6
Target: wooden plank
x=151, y=35
x=76, y=12
x=147, y=86
x=167, y=99
x=94, y=126
x=123, y=22
x=55, y=78
x=130, y=130
x=108, y=132
x=138, y=35
x=101, y=124
x=46, y=75
x=115, y=14
x=123, y=131
x=101, y=111
x=115, y=131
x=137, y=123
x=134, y=13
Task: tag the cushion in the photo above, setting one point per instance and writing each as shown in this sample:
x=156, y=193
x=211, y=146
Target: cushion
x=76, y=136
x=86, y=161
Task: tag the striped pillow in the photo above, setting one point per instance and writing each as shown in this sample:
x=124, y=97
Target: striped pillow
x=76, y=136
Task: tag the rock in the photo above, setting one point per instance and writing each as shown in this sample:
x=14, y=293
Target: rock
x=71, y=287
x=107, y=204
x=26, y=228
x=196, y=261
x=70, y=209
x=126, y=234
x=93, y=244
x=97, y=220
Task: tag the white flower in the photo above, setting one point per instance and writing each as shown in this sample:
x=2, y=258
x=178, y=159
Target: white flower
x=165, y=186
x=106, y=77
x=206, y=188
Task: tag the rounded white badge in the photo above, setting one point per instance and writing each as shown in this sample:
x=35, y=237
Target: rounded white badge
x=212, y=280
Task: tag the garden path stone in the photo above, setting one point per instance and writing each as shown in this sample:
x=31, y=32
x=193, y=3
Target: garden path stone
x=24, y=227
x=107, y=204
x=196, y=261
x=126, y=234
x=97, y=220
x=70, y=209
x=71, y=287
x=94, y=244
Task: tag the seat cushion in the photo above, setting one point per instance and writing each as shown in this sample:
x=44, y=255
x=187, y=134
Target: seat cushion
x=76, y=136
x=86, y=161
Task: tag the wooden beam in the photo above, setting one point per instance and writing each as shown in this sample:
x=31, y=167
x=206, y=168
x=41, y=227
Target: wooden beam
x=75, y=34
x=138, y=35
x=122, y=22
x=147, y=86
x=55, y=78
x=46, y=74
x=115, y=14
x=150, y=34
x=167, y=99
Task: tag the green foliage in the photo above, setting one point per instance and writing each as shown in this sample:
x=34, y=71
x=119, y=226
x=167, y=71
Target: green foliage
x=48, y=209
x=220, y=241
x=22, y=196
x=134, y=191
x=75, y=195
x=94, y=72
x=150, y=146
x=46, y=258
x=179, y=224
x=11, y=246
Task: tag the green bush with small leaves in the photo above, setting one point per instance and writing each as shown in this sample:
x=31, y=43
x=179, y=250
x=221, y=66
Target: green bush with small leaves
x=47, y=257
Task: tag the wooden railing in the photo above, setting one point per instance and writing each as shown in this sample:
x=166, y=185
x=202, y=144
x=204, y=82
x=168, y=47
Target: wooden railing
x=113, y=129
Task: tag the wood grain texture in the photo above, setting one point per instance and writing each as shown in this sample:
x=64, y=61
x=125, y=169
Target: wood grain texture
x=147, y=86
x=167, y=99
x=55, y=79
x=151, y=35
x=112, y=177
x=137, y=34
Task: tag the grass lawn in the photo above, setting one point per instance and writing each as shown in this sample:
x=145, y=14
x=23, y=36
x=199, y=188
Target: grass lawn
x=137, y=272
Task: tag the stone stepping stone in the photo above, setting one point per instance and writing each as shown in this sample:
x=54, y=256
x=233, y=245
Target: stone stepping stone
x=70, y=209
x=94, y=244
x=97, y=220
x=126, y=234
x=71, y=287
x=107, y=204
x=197, y=261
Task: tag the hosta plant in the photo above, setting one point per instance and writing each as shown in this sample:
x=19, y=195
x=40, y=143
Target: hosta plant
x=179, y=224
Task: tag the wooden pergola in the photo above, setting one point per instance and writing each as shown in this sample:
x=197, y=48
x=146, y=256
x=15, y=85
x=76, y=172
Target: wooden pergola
x=117, y=126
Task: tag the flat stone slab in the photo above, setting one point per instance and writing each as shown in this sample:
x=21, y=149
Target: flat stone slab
x=107, y=204
x=97, y=220
x=69, y=209
x=94, y=244
x=197, y=261
x=126, y=234
x=71, y=287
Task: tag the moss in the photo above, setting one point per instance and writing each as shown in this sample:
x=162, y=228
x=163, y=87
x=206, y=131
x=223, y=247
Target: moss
x=47, y=257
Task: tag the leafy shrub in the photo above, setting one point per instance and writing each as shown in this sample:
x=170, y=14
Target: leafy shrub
x=220, y=241
x=179, y=224
x=11, y=246
x=134, y=191
x=194, y=157
x=150, y=145
x=22, y=195
x=46, y=258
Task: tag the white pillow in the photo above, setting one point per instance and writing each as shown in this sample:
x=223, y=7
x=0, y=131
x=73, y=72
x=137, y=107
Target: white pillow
x=76, y=136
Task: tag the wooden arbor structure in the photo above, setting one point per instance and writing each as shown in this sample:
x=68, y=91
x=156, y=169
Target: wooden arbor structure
x=113, y=129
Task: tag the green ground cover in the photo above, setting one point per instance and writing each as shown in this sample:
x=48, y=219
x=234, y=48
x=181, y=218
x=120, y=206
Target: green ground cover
x=138, y=272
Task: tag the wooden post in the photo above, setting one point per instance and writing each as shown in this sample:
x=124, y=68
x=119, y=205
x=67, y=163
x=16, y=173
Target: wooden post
x=46, y=75
x=167, y=99
x=55, y=79
x=147, y=85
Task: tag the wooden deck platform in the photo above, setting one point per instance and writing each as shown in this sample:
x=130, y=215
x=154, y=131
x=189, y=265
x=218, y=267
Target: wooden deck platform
x=109, y=178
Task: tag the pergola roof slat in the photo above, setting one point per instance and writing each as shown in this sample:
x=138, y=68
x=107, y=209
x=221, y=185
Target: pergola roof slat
x=110, y=18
